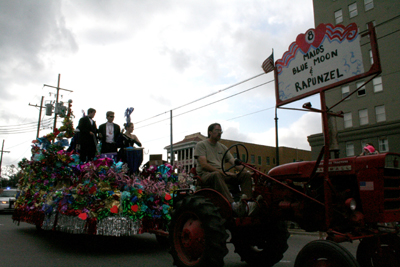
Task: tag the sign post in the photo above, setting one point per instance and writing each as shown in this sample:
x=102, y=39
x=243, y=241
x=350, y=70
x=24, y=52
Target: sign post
x=321, y=59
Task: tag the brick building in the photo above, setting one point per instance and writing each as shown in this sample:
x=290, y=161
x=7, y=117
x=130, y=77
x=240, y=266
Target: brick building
x=262, y=157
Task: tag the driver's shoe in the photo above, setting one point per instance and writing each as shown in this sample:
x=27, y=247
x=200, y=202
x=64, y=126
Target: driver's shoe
x=253, y=208
x=240, y=208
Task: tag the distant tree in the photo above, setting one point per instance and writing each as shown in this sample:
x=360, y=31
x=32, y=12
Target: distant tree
x=9, y=175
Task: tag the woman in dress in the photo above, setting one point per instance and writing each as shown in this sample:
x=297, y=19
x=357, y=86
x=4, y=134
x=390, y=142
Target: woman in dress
x=125, y=140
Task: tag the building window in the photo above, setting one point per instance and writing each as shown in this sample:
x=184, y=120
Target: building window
x=353, y=10
x=253, y=159
x=380, y=113
x=371, y=58
x=349, y=149
x=368, y=4
x=345, y=92
x=268, y=162
x=339, y=16
x=273, y=161
x=363, y=144
x=243, y=157
x=361, y=91
x=348, y=120
x=235, y=155
x=383, y=144
x=259, y=160
x=377, y=82
x=363, y=115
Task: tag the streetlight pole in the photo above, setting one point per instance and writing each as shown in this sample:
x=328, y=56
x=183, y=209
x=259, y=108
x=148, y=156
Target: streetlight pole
x=1, y=160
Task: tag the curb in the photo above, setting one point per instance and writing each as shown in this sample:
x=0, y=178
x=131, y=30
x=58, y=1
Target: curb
x=302, y=232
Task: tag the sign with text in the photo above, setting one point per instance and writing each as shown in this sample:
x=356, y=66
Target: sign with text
x=322, y=56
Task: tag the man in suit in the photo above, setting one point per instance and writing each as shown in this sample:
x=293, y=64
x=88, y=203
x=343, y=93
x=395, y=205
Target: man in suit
x=87, y=140
x=108, y=134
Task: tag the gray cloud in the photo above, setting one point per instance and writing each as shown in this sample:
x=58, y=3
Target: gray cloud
x=180, y=59
x=29, y=28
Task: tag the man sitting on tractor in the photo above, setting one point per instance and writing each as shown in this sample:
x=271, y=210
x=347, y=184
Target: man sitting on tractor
x=209, y=154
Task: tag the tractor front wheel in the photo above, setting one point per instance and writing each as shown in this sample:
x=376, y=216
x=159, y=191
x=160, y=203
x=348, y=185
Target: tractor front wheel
x=379, y=251
x=320, y=253
x=197, y=234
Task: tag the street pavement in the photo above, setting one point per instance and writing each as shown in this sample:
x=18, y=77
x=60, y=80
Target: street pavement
x=24, y=246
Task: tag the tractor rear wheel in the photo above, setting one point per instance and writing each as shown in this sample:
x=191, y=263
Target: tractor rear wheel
x=197, y=234
x=261, y=246
x=321, y=253
x=377, y=252
x=162, y=240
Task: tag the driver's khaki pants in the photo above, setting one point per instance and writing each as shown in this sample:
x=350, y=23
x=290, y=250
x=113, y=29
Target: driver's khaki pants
x=218, y=182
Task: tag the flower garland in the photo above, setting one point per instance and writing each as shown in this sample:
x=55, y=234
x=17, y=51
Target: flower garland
x=68, y=125
x=55, y=181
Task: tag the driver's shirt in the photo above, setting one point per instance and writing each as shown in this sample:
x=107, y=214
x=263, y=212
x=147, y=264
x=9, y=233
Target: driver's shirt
x=213, y=154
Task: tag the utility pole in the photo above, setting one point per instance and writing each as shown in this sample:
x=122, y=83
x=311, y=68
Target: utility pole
x=276, y=137
x=55, y=113
x=1, y=160
x=56, y=104
x=40, y=115
x=172, y=148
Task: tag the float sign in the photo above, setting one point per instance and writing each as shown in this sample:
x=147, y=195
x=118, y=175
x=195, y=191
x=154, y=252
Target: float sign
x=322, y=56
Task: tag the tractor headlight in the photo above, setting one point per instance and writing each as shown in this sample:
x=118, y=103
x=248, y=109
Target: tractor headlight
x=351, y=203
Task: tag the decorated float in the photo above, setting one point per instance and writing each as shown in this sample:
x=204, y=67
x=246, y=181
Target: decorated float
x=59, y=193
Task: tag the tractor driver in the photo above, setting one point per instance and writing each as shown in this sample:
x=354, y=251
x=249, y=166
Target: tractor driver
x=209, y=155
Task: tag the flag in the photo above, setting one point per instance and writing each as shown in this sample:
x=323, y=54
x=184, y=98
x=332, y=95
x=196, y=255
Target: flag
x=268, y=64
x=366, y=186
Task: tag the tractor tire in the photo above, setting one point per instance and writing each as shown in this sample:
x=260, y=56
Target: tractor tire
x=374, y=253
x=197, y=234
x=162, y=241
x=325, y=253
x=261, y=246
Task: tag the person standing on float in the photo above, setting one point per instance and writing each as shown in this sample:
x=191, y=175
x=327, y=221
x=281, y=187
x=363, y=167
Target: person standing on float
x=88, y=141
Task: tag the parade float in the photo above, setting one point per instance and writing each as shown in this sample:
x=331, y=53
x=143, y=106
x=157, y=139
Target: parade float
x=58, y=192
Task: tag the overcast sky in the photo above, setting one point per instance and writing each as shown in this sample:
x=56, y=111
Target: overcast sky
x=155, y=56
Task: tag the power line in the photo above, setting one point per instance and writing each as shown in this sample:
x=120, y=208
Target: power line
x=24, y=142
x=248, y=114
x=219, y=91
x=252, y=88
x=225, y=98
x=26, y=128
x=236, y=84
x=24, y=124
x=24, y=132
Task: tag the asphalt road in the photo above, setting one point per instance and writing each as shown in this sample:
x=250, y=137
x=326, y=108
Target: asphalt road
x=23, y=245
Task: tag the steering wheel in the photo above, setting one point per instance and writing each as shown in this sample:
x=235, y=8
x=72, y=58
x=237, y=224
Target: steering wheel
x=237, y=160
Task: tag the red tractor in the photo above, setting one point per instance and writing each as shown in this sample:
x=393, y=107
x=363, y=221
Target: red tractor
x=359, y=201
